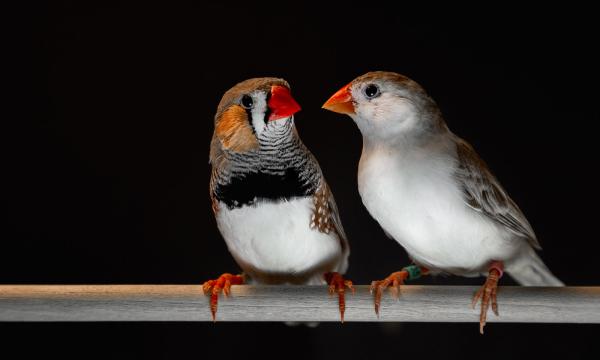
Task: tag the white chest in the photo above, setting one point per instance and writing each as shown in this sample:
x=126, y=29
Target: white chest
x=419, y=204
x=276, y=237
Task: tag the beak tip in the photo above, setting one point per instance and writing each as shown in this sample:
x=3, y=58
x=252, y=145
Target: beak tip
x=346, y=108
x=340, y=102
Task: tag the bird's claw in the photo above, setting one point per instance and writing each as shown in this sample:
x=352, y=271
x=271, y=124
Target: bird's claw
x=487, y=293
x=394, y=280
x=338, y=284
x=223, y=283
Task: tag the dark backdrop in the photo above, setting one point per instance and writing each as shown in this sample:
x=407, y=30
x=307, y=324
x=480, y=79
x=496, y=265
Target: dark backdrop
x=106, y=167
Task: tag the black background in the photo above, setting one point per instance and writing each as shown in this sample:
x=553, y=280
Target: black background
x=106, y=165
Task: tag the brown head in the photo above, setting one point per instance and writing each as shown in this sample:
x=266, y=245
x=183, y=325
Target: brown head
x=387, y=106
x=246, y=110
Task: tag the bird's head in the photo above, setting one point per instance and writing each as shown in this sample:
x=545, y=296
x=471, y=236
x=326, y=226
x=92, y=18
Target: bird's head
x=250, y=109
x=386, y=106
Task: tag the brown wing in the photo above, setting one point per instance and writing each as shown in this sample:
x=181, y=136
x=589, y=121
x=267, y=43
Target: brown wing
x=484, y=194
x=326, y=216
x=211, y=190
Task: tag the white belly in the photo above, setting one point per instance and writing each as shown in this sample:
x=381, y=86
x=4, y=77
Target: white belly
x=420, y=206
x=276, y=237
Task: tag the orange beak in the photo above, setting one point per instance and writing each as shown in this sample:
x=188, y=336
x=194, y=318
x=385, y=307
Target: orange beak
x=340, y=102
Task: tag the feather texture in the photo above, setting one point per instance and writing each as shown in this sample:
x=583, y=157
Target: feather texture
x=484, y=194
x=430, y=191
x=270, y=199
x=234, y=131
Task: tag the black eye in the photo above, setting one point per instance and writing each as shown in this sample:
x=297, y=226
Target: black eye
x=372, y=91
x=247, y=102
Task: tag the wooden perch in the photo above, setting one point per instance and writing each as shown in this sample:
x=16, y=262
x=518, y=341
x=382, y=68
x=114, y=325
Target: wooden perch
x=290, y=303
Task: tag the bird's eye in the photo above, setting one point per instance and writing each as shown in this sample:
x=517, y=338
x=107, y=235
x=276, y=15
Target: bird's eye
x=372, y=91
x=247, y=102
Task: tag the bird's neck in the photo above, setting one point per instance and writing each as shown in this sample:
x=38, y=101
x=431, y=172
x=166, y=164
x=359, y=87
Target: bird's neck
x=281, y=168
x=405, y=141
x=277, y=132
x=278, y=146
x=410, y=146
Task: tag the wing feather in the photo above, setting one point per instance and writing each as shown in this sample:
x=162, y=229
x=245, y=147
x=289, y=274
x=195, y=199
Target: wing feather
x=484, y=194
x=326, y=219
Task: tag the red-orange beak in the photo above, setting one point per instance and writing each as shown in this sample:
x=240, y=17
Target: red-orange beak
x=281, y=103
x=340, y=102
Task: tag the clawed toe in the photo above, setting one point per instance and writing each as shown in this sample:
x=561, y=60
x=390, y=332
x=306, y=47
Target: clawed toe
x=394, y=281
x=338, y=284
x=488, y=294
x=212, y=288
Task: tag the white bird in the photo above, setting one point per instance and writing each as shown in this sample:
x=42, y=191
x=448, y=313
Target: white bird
x=432, y=193
x=270, y=199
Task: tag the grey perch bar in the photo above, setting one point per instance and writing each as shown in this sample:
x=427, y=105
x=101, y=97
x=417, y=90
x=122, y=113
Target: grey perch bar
x=290, y=303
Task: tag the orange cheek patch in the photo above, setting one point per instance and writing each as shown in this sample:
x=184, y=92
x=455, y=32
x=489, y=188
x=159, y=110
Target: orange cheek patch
x=234, y=131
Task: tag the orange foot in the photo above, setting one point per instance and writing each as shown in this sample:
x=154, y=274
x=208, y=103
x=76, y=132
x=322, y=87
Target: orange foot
x=338, y=284
x=214, y=287
x=488, y=292
x=394, y=281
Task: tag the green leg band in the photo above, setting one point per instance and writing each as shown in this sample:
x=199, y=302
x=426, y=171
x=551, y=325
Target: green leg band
x=414, y=272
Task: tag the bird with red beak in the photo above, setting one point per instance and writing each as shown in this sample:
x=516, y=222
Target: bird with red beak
x=432, y=193
x=272, y=204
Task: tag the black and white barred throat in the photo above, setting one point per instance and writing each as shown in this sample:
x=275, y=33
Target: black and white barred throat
x=281, y=168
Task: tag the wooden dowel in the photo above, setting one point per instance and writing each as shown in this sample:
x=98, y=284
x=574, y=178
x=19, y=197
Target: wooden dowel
x=290, y=303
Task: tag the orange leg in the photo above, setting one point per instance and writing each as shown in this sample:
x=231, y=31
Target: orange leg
x=214, y=287
x=338, y=284
x=488, y=293
x=394, y=280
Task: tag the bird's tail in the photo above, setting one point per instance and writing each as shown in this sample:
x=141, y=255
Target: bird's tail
x=530, y=270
